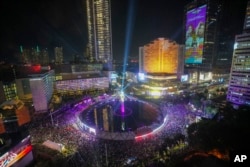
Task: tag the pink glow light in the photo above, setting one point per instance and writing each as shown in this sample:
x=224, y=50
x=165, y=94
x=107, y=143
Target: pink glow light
x=122, y=107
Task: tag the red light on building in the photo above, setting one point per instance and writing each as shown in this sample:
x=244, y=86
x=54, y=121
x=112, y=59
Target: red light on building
x=36, y=68
x=2, y=129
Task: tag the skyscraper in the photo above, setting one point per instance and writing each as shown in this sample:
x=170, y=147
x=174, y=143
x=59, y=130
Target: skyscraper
x=246, y=26
x=34, y=55
x=239, y=83
x=58, y=55
x=99, y=45
x=41, y=86
x=228, y=26
x=201, y=27
x=44, y=57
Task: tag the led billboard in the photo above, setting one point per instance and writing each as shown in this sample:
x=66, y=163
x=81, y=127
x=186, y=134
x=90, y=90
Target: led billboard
x=195, y=27
x=14, y=155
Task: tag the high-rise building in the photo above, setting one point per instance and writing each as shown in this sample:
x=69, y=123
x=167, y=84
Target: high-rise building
x=246, y=26
x=42, y=87
x=201, y=25
x=159, y=67
x=7, y=82
x=239, y=82
x=34, y=55
x=227, y=29
x=58, y=51
x=44, y=57
x=159, y=56
x=99, y=45
x=25, y=56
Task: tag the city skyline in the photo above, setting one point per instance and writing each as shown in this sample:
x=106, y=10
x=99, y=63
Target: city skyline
x=183, y=106
x=60, y=23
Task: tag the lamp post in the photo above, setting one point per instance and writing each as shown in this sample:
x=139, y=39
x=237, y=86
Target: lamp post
x=52, y=121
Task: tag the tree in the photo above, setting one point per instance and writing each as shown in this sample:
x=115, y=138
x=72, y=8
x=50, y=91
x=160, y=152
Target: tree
x=229, y=132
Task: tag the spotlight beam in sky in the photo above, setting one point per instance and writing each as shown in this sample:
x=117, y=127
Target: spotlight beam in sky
x=129, y=28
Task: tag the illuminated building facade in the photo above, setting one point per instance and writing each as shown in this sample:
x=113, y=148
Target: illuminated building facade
x=77, y=85
x=15, y=81
x=246, y=26
x=99, y=30
x=201, y=27
x=75, y=68
x=25, y=55
x=42, y=87
x=226, y=34
x=161, y=65
x=239, y=82
x=58, y=51
x=8, y=91
x=34, y=55
x=158, y=85
x=159, y=56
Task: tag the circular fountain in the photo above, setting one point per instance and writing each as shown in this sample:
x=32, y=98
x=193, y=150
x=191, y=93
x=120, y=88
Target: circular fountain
x=121, y=118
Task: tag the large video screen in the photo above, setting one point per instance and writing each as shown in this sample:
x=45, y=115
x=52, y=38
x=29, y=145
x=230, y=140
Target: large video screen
x=195, y=27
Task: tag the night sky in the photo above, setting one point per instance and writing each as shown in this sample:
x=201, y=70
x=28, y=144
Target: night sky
x=50, y=23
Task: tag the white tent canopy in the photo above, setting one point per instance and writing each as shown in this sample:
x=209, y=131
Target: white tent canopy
x=53, y=145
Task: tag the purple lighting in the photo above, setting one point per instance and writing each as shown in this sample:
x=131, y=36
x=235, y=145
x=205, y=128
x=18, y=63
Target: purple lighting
x=122, y=107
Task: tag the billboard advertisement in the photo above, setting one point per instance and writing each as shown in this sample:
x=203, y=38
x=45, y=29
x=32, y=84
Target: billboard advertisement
x=15, y=154
x=195, y=27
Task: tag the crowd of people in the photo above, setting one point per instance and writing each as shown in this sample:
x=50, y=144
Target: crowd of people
x=84, y=149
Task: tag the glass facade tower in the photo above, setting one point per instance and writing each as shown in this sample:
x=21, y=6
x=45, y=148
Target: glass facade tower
x=99, y=45
x=206, y=12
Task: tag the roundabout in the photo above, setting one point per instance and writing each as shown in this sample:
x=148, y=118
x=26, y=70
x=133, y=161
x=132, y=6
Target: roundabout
x=121, y=117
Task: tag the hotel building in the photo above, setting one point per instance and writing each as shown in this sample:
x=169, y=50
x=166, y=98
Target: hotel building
x=159, y=63
x=36, y=87
x=42, y=86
